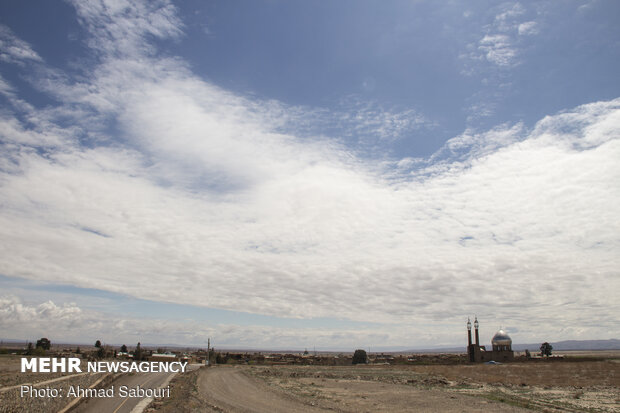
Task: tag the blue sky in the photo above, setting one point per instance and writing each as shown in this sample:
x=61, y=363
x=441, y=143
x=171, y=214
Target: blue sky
x=297, y=174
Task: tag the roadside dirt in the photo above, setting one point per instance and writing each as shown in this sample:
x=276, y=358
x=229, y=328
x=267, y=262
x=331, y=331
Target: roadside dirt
x=568, y=387
x=184, y=396
x=231, y=390
x=239, y=389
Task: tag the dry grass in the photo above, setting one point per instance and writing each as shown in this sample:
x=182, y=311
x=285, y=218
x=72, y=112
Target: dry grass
x=559, y=374
x=184, y=397
x=568, y=386
x=10, y=374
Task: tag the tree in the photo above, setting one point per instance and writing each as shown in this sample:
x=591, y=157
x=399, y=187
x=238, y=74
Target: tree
x=123, y=349
x=360, y=357
x=221, y=359
x=98, y=344
x=29, y=350
x=137, y=353
x=78, y=351
x=44, y=343
x=545, y=349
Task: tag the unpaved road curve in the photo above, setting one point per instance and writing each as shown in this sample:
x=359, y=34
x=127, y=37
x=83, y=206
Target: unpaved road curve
x=233, y=391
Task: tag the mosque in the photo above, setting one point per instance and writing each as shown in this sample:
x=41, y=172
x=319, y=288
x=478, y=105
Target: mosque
x=501, y=344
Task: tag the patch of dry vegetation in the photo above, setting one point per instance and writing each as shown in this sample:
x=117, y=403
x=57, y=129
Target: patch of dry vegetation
x=184, y=397
x=10, y=374
x=562, y=374
x=584, y=386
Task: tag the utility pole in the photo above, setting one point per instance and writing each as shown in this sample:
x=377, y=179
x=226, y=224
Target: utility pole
x=208, y=363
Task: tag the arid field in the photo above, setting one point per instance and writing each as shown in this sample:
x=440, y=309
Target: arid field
x=548, y=386
x=11, y=378
x=577, y=383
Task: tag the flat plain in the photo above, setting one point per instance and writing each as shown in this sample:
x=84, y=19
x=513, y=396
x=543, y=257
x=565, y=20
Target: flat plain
x=11, y=378
x=577, y=384
x=580, y=382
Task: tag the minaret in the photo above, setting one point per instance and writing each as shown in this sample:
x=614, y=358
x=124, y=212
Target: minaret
x=468, y=333
x=476, y=324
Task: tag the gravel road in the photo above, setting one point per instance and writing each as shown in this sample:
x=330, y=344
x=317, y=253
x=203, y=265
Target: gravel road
x=232, y=391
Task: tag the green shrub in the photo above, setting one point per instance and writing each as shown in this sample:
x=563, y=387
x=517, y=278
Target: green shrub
x=360, y=357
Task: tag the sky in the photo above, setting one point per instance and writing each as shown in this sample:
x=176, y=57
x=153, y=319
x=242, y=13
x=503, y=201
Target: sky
x=291, y=174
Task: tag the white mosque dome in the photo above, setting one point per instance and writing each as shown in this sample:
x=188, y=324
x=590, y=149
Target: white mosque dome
x=501, y=338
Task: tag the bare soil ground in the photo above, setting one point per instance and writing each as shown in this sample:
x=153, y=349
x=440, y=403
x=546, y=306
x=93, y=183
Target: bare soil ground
x=316, y=389
x=232, y=390
x=10, y=374
x=184, y=397
x=379, y=391
x=550, y=387
x=248, y=389
x=567, y=386
x=11, y=378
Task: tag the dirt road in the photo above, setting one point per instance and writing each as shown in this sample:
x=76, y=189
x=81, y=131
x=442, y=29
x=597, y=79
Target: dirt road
x=233, y=391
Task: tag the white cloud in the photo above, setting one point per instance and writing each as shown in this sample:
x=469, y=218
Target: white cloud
x=15, y=313
x=372, y=121
x=365, y=122
x=15, y=50
x=528, y=28
x=203, y=197
x=500, y=45
x=68, y=323
x=504, y=20
x=498, y=49
x=495, y=52
x=120, y=27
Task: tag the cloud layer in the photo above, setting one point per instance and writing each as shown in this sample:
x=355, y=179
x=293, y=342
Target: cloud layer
x=71, y=324
x=147, y=180
x=501, y=41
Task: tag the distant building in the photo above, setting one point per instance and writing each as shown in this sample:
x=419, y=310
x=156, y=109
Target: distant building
x=165, y=357
x=501, y=345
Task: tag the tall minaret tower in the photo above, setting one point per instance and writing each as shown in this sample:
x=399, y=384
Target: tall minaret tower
x=470, y=348
x=476, y=324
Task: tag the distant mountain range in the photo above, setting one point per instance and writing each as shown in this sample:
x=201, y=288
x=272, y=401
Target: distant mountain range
x=565, y=345
x=580, y=345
